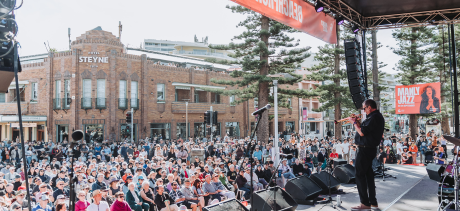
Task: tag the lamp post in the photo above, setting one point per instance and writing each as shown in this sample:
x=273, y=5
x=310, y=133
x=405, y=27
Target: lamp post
x=186, y=121
x=275, y=142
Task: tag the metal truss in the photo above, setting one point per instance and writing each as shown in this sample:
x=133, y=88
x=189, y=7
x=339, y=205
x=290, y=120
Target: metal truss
x=426, y=18
x=393, y=21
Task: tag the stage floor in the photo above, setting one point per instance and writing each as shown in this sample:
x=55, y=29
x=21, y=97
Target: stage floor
x=412, y=190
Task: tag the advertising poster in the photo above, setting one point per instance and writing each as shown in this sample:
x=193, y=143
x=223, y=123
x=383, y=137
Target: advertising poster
x=418, y=98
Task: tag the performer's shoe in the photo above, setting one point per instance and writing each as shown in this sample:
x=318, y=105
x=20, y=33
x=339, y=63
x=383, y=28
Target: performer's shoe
x=374, y=206
x=361, y=207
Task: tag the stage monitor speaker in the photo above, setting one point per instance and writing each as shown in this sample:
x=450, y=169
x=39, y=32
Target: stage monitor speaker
x=325, y=180
x=303, y=189
x=338, y=162
x=263, y=200
x=434, y=171
x=345, y=173
x=227, y=205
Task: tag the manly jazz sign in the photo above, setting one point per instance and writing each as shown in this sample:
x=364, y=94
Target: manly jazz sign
x=94, y=59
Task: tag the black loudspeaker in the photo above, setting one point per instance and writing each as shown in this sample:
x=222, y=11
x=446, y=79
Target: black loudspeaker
x=434, y=171
x=355, y=73
x=338, y=162
x=263, y=200
x=226, y=205
x=325, y=180
x=345, y=173
x=303, y=189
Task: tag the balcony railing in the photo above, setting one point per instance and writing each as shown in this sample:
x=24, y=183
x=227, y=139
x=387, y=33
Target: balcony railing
x=202, y=54
x=101, y=103
x=66, y=103
x=86, y=103
x=57, y=103
x=134, y=103
x=122, y=103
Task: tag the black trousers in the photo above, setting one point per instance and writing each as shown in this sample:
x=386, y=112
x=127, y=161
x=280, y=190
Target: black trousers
x=365, y=175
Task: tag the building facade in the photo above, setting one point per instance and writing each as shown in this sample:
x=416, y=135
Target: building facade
x=92, y=86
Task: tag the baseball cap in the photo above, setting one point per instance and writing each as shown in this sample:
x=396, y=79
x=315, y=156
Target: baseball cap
x=140, y=177
x=60, y=197
x=44, y=197
x=129, y=177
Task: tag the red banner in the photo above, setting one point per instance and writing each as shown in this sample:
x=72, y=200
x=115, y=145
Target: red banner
x=418, y=99
x=304, y=114
x=296, y=14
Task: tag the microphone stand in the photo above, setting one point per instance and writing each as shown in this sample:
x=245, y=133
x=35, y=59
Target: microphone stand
x=251, y=160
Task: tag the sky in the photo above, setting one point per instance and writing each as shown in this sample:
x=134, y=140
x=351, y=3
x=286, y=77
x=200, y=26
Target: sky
x=179, y=20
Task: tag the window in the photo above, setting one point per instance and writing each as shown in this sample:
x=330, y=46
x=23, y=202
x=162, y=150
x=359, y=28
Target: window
x=100, y=95
x=200, y=52
x=2, y=98
x=232, y=100
x=215, y=98
x=200, y=96
x=290, y=127
x=134, y=94
x=34, y=92
x=289, y=101
x=57, y=94
x=122, y=94
x=182, y=93
x=256, y=102
x=86, y=100
x=160, y=92
x=232, y=129
x=67, y=93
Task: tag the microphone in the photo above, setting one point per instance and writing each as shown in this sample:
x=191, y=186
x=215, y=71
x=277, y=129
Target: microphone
x=261, y=110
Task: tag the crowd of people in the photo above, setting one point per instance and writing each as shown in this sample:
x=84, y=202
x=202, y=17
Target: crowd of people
x=157, y=174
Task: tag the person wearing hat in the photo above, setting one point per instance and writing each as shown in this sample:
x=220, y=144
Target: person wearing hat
x=98, y=204
x=16, y=206
x=11, y=175
x=179, y=199
x=42, y=204
x=286, y=170
x=17, y=182
x=139, y=173
x=20, y=198
x=3, y=205
x=113, y=186
x=134, y=199
x=125, y=188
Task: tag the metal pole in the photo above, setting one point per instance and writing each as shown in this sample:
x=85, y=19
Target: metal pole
x=275, y=142
x=454, y=67
x=210, y=116
x=365, y=63
x=21, y=129
x=186, y=121
x=450, y=71
x=132, y=125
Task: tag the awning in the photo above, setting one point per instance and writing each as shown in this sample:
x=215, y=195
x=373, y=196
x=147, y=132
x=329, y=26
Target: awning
x=21, y=84
x=14, y=118
x=197, y=86
x=183, y=87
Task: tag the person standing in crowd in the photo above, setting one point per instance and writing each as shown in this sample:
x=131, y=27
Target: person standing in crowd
x=367, y=138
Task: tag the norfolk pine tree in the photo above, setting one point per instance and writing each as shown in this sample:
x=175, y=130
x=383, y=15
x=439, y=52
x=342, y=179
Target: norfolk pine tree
x=413, y=47
x=265, y=48
x=335, y=95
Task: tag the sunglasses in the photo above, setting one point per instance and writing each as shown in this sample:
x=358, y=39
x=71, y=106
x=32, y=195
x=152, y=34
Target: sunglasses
x=17, y=208
x=121, y=196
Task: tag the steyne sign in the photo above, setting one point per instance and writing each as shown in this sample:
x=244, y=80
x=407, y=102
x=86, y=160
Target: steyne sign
x=94, y=59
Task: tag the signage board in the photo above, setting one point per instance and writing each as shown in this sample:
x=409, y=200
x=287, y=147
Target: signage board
x=418, y=98
x=16, y=125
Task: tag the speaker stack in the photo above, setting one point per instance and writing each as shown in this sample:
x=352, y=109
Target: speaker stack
x=345, y=173
x=356, y=76
x=303, y=189
x=326, y=181
x=264, y=200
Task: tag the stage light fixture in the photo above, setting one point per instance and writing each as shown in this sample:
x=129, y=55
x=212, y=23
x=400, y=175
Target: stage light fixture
x=355, y=29
x=319, y=7
x=340, y=20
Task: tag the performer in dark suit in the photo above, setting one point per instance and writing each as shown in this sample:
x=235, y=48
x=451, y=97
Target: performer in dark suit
x=367, y=138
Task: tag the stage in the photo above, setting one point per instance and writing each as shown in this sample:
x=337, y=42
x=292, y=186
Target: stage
x=412, y=190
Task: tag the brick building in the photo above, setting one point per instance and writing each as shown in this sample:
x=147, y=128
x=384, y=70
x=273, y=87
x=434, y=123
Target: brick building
x=92, y=86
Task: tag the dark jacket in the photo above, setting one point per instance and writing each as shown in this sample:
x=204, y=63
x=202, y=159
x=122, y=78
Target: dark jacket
x=297, y=169
x=372, y=128
x=130, y=198
x=160, y=200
